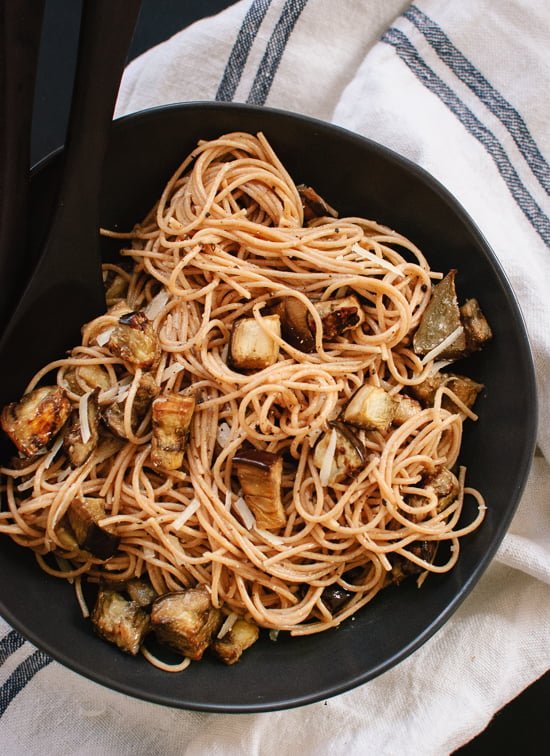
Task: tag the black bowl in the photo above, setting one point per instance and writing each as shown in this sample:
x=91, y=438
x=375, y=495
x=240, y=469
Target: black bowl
x=359, y=177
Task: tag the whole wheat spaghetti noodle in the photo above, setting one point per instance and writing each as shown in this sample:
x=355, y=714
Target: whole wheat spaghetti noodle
x=226, y=240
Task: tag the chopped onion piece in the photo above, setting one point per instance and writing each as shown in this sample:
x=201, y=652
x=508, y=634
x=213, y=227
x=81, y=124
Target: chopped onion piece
x=53, y=451
x=148, y=553
x=223, y=435
x=365, y=254
x=447, y=341
x=171, y=371
x=26, y=485
x=157, y=304
x=103, y=337
x=123, y=392
x=227, y=625
x=248, y=518
x=328, y=459
x=85, y=432
x=80, y=598
x=187, y=513
x=275, y=540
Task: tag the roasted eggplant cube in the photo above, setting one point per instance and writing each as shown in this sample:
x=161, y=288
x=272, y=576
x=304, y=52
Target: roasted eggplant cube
x=242, y=635
x=90, y=377
x=186, y=621
x=465, y=389
x=172, y=415
x=135, y=341
x=339, y=315
x=141, y=592
x=38, y=417
x=445, y=485
x=477, y=329
x=120, y=621
x=251, y=348
x=441, y=317
x=405, y=408
x=84, y=516
x=295, y=324
x=260, y=474
x=371, y=408
x=403, y=568
x=313, y=204
x=76, y=448
x=147, y=390
x=116, y=287
x=349, y=454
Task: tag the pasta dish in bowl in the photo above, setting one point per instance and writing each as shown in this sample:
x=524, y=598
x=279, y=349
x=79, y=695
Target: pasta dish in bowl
x=275, y=419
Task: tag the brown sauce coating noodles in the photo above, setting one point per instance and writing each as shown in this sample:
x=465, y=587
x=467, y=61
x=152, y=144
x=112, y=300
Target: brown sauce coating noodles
x=226, y=238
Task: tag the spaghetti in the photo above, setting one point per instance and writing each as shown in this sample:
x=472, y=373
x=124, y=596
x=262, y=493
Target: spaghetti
x=226, y=240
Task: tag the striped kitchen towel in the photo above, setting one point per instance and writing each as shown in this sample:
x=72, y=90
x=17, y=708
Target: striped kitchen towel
x=460, y=87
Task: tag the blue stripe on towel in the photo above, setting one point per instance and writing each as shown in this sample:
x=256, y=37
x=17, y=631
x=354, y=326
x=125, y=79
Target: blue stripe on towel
x=21, y=676
x=241, y=50
x=10, y=643
x=410, y=56
x=489, y=96
x=274, y=51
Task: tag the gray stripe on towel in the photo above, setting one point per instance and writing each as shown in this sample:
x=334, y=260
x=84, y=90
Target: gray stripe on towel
x=411, y=57
x=484, y=90
x=241, y=50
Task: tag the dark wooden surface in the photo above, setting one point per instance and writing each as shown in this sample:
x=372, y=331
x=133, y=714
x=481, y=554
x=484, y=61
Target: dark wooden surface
x=522, y=726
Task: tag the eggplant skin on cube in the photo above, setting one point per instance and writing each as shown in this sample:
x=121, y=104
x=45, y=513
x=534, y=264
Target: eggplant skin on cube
x=84, y=516
x=260, y=474
x=120, y=621
x=251, y=348
x=242, y=635
x=36, y=418
x=186, y=621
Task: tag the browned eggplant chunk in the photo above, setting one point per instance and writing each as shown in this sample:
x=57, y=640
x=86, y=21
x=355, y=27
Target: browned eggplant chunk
x=335, y=597
x=371, y=408
x=313, y=204
x=76, y=448
x=141, y=592
x=32, y=422
x=251, y=348
x=441, y=317
x=260, y=474
x=465, y=389
x=84, y=516
x=477, y=329
x=445, y=486
x=119, y=621
x=116, y=287
x=405, y=408
x=339, y=315
x=172, y=415
x=90, y=377
x=186, y=621
x=295, y=325
x=242, y=635
x=147, y=390
x=403, y=568
x=135, y=341
x=349, y=454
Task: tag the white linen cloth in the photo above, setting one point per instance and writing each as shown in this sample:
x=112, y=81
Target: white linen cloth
x=460, y=87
